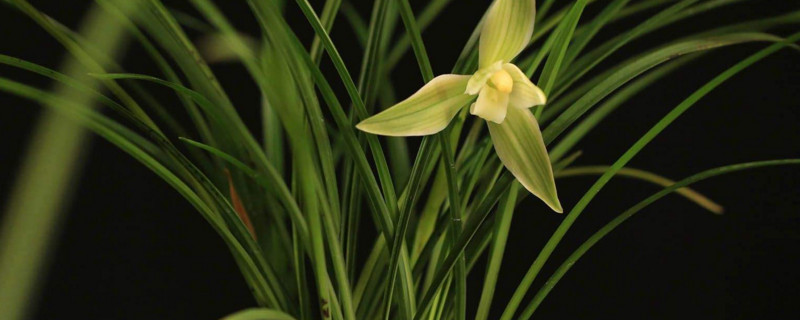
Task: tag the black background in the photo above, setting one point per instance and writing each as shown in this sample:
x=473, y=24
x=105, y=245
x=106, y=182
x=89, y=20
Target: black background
x=131, y=248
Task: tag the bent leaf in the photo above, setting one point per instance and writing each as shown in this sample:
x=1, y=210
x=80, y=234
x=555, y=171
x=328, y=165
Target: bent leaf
x=688, y=193
x=611, y=226
x=426, y=112
x=518, y=142
x=238, y=206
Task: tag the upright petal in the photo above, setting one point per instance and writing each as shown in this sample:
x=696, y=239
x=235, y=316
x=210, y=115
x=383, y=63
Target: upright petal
x=525, y=94
x=427, y=111
x=506, y=31
x=518, y=142
x=491, y=105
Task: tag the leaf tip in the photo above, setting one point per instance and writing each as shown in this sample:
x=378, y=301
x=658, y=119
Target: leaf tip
x=364, y=126
x=555, y=205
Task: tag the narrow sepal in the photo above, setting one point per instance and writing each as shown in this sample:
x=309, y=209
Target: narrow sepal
x=525, y=94
x=518, y=142
x=426, y=112
x=506, y=31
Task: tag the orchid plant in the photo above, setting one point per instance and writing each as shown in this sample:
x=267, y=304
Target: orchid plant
x=504, y=96
x=292, y=199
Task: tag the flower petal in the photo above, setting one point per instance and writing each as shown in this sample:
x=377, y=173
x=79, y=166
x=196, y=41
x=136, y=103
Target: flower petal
x=525, y=94
x=491, y=105
x=427, y=111
x=518, y=142
x=506, y=31
x=480, y=77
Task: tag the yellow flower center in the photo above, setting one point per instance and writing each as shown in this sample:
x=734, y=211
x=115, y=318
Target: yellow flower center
x=502, y=81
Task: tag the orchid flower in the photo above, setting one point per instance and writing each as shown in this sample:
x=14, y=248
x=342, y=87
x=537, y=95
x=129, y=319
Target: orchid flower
x=504, y=96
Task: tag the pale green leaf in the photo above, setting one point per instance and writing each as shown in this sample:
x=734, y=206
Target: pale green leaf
x=259, y=314
x=221, y=47
x=507, y=30
x=518, y=142
x=426, y=112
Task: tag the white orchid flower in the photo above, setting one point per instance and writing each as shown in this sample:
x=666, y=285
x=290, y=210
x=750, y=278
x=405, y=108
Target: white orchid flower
x=504, y=96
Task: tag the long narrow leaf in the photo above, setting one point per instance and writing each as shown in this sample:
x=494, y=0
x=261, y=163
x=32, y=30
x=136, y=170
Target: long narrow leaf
x=562, y=229
x=606, y=229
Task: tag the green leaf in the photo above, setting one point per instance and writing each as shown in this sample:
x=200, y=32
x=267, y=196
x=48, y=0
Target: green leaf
x=562, y=36
x=424, y=19
x=259, y=314
x=426, y=112
x=114, y=9
x=35, y=204
x=612, y=103
x=356, y=22
x=677, y=12
x=329, y=12
x=471, y=227
x=605, y=230
x=676, y=112
x=270, y=181
x=519, y=144
x=360, y=110
x=507, y=30
x=456, y=215
x=616, y=77
x=690, y=194
x=502, y=226
x=589, y=30
x=370, y=65
x=108, y=130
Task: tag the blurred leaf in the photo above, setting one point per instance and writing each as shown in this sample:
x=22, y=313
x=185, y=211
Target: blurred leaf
x=259, y=314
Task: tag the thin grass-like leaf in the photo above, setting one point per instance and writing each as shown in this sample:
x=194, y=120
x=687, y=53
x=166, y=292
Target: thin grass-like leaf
x=271, y=181
x=636, y=66
x=562, y=36
x=595, y=117
x=99, y=125
x=589, y=30
x=689, y=194
x=425, y=18
x=380, y=208
x=329, y=13
x=675, y=13
x=562, y=229
x=40, y=191
x=505, y=212
x=606, y=229
x=473, y=223
x=353, y=92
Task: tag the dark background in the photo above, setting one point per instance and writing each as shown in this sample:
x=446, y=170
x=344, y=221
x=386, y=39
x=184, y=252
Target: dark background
x=131, y=248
